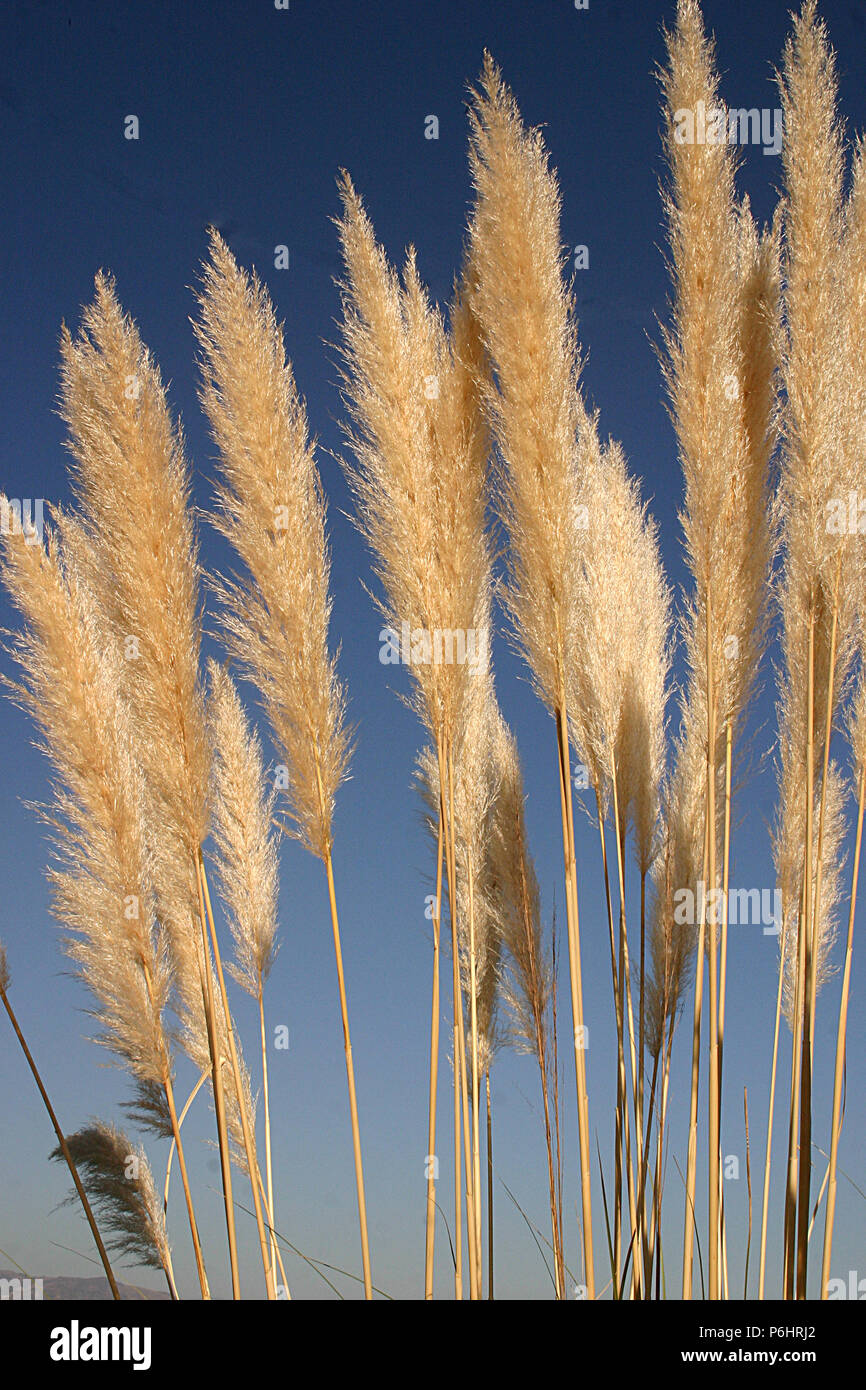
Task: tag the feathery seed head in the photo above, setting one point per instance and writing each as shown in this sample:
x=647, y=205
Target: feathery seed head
x=547, y=444
x=118, y=1180
x=102, y=885
x=411, y=387
x=272, y=510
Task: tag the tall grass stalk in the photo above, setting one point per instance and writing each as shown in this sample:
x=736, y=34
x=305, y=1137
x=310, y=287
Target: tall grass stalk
x=576, y=985
x=528, y=978
x=817, y=617
x=266, y=1105
x=691, y=1168
x=468, y=1164
x=547, y=445
x=429, y=1242
x=722, y=400
x=271, y=509
x=625, y=1001
x=769, y=1149
x=489, y=1189
x=219, y=1096
x=419, y=485
x=248, y=1139
x=854, y=276
x=621, y=1107
x=713, y=1175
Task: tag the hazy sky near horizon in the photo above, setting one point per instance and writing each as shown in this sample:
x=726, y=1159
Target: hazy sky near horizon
x=246, y=114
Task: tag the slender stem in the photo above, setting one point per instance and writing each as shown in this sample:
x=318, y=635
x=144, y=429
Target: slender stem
x=794, y=1116
x=458, y=1019
x=645, y=1292
x=249, y=1144
x=456, y=1007
x=218, y=1091
x=660, y=1134
x=177, y=1144
x=246, y=1128
x=184, y=1177
x=620, y=1069
x=468, y=1168
x=347, y=1046
x=723, y=976
x=689, y=1231
x=539, y=1023
x=811, y=913
x=839, y=1073
x=350, y=1076
x=749, y=1185
x=490, y=1191
x=723, y=967
x=64, y=1148
x=640, y=1249
x=476, y=1138
x=573, y=918
x=713, y=1089
x=642, y=989
x=822, y=1189
x=434, y=1076
x=556, y=1110
x=766, y=1198
x=173, y=1146
x=458, y=1172
x=267, y=1108
x=622, y=1119
x=273, y=1232
x=555, y=1224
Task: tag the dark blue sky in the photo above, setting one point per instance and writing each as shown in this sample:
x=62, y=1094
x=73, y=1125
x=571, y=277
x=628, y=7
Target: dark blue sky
x=246, y=115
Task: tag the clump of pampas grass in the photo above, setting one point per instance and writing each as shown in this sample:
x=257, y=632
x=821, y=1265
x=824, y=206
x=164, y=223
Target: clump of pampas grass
x=131, y=481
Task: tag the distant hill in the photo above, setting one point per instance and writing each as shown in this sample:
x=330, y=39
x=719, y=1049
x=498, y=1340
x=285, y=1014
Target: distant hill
x=61, y=1287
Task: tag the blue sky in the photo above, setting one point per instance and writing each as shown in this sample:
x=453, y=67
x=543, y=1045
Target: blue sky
x=246, y=115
